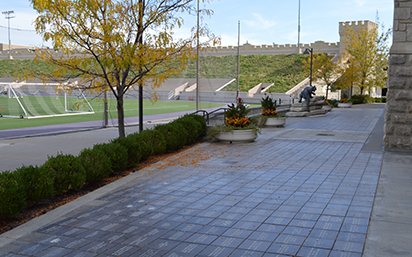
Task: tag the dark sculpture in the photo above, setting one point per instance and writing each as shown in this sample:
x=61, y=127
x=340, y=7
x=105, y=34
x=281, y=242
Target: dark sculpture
x=306, y=94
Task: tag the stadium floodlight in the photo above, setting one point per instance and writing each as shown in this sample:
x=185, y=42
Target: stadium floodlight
x=8, y=16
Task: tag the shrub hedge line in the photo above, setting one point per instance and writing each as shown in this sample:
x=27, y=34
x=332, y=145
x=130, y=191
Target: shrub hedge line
x=366, y=99
x=360, y=99
x=29, y=184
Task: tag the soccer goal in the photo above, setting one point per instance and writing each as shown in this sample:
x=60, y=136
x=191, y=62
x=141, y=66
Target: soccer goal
x=37, y=100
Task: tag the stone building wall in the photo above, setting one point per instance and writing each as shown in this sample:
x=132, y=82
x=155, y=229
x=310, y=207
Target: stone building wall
x=5, y=47
x=398, y=119
x=356, y=26
x=248, y=49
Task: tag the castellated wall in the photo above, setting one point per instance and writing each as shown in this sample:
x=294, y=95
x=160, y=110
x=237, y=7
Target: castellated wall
x=318, y=46
x=356, y=26
x=23, y=52
x=248, y=49
x=5, y=47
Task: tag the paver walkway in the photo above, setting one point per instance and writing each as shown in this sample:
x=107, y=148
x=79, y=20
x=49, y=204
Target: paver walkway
x=304, y=190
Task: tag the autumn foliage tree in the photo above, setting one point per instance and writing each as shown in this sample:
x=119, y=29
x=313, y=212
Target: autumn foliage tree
x=116, y=44
x=324, y=67
x=366, y=59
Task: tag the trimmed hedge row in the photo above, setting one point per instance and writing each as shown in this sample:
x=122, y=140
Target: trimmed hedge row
x=360, y=99
x=366, y=99
x=29, y=184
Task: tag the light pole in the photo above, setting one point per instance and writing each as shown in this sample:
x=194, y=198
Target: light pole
x=8, y=16
x=197, y=58
x=238, y=63
x=307, y=51
x=299, y=28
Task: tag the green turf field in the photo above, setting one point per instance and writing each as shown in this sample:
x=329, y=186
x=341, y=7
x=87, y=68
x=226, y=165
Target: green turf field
x=130, y=110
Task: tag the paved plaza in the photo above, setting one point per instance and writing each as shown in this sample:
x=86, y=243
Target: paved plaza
x=320, y=186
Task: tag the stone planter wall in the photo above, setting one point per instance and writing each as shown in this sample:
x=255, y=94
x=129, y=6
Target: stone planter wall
x=327, y=108
x=315, y=107
x=237, y=136
x=275, y=122
x=344, y=105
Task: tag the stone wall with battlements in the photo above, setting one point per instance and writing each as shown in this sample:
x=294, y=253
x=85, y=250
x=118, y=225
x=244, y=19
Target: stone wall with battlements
x=23, y=52
x=248, y=49
x=318, y=46
x=356, y=26
x=5, y=47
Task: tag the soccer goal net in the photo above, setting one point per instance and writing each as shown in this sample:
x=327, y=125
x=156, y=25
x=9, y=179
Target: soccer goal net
x=37, y=100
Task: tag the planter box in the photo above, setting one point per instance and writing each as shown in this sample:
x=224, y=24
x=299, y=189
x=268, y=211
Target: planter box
x=275, y=122
x=344, y=105
x=327, y=108
x=237, y=136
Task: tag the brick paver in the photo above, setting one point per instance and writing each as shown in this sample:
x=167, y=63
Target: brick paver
x=273, y=197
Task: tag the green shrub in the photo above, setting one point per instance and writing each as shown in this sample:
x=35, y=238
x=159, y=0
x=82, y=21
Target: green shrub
x=117, y=154
x=157, y=139
x=68, y=172
x=334, y=103
x=96, y=164
x=37, y=182
x=191, y=126
x=356, y=101
x=12, y=194
x=380, y=99
x=362, y=99
x=181, y=132
x=146, y=148
x=133, y=150
x=203, y=125
x=174, y=135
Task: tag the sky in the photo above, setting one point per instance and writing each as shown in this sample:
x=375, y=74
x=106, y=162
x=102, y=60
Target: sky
x=262, y=22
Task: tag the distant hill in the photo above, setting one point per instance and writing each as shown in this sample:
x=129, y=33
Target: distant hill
x=284, y=70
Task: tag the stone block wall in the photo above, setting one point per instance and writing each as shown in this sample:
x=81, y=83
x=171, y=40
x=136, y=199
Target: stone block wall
x=398, y=118
x=356, y=26
x=248, y=49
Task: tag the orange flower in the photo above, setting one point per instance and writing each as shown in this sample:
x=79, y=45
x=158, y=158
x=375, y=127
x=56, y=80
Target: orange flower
x=237, y=121
x=269, y=112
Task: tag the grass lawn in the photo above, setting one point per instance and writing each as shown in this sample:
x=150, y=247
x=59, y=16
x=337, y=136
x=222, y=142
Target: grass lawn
x=131, y=109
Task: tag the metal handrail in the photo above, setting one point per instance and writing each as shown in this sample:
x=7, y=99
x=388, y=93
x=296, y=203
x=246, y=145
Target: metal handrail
x=206, y=114
x=221, y=108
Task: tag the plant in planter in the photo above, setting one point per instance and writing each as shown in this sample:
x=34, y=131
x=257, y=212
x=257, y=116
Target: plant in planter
x=327, y=107
x=270, y=117
x=237, y=128
x=345, y=103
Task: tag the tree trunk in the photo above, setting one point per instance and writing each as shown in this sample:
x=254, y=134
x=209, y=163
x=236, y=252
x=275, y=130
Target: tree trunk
x=120, y=113
x=327, y=89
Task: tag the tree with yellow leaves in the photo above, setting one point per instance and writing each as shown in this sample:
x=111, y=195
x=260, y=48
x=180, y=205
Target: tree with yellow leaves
x=348, y=75
x=324, y=69
x=367, y=59
x=117, y=44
